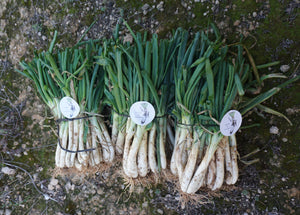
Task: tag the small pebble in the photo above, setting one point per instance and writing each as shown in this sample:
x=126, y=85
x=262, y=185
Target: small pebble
x=145, y=204
x=8, y=171
x=160, y=211
x=237, y=23
x=205, y=14
x=50, y=187
x=145, y=7
x=100, y=191
x=69, y=186
x=54, y=181
x=284, y=68
x=46, y=197
x=128, y=38
x=274, y=130
x=251, y=27
x=7, y=211
x=160, y=6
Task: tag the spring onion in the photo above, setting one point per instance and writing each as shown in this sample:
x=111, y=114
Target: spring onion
x=72, y=72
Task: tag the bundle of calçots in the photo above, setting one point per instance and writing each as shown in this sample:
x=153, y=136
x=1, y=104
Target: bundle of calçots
x=72, y=74
x=197, y=81
x=141, y=72
x=202, y=69
x=210, y=84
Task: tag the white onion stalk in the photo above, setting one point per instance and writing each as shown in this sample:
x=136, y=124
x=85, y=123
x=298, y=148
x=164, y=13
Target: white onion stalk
x=64, y=126
x=130, y=130
x=70, y=145
x=173, y=166
x=191, y=163
x=115, y=129
x=233, y=153
x=179, y=151
x=199, y=175
x=179, y=156
x=228, y=162
x=202, y=147
x=170, y=134
x=57, y=154
x=108, y=144
x=82, y=156
x=96, y=153
x=63, y=138
x=77, y=164
x=211, y=172
x=60, y=134
x=151, y=150
x=120, y=140
x=107, y=148
x=185, y=150
x=76, y=140
x=54, y=107
x=74, y=144
x=96, y=157
x=132, y=155
x=162, y=140
x=142, y=156
x=219, y=166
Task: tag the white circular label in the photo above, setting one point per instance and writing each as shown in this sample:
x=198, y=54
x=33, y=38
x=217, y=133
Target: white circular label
x=142, y=113
x=69, y=107
x=231, y=122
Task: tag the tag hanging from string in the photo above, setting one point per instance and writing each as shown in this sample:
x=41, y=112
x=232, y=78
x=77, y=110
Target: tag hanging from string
x=231, y=122
x=69, y=107
x=142, y=113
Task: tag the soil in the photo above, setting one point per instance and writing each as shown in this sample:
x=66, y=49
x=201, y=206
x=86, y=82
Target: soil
x=269, y=178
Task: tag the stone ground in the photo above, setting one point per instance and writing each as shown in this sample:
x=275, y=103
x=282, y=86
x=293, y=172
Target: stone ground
x=27, y=184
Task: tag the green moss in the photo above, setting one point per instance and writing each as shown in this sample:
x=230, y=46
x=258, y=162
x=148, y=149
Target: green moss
x=173, y=16
x=26, y=3
x=70, y=206
x=132, y=4
x=241, y=9
x=11, y=15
